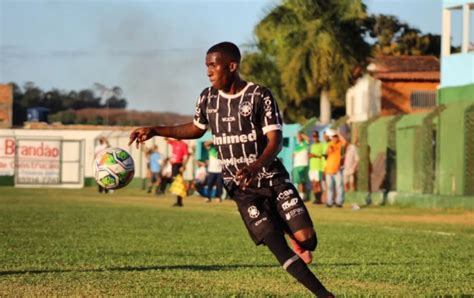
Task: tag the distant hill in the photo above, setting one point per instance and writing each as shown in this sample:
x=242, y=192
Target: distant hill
x=120, y=117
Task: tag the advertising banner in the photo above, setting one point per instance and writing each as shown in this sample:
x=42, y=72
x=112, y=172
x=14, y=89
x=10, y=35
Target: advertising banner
x=7, y=156
x=38, y=162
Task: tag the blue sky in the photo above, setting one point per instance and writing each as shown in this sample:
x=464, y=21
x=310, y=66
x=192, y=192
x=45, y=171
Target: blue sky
x=153, y=50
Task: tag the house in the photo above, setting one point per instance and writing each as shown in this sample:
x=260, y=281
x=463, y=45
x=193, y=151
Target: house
x=394, y=85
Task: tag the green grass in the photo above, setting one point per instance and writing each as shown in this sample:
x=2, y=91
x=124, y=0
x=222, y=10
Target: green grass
x=77, y=242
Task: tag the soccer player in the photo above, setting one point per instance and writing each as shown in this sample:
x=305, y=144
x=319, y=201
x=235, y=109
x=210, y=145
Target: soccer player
x=246, y=126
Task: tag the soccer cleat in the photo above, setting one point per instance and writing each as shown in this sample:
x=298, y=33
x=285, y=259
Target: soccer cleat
x=305, y=255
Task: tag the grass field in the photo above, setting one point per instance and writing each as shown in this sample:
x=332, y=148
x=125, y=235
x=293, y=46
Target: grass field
x=77, y=242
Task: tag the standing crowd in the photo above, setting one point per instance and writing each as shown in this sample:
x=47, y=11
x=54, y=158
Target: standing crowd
x=325, y=165
x=328, y=165
x=162, y=172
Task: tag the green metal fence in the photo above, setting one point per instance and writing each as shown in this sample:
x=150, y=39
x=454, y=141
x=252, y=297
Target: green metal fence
x=429, y=148
x=469, y=151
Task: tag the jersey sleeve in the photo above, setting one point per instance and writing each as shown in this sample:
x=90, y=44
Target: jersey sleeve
x=200, y=116
x=268, y=113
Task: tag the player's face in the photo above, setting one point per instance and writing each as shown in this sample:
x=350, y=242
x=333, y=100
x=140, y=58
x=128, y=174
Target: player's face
x=218, y=71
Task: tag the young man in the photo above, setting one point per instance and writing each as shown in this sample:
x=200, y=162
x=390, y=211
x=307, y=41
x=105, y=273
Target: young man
x=301, y=163
x=335, y=187
x=155, y=169
x=316, y=166
x=247, y=131
x=214, y=173
x=351, y=161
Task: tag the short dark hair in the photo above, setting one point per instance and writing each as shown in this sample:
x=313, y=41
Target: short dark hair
x=229, y=49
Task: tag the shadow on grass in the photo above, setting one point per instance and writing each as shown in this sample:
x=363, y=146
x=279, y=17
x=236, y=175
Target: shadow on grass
x=183, y=267
x=138, y=268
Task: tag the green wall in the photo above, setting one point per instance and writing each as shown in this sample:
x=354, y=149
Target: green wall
x=463, y=93
x=409, y=153
x=451, y=149
x=378, y=137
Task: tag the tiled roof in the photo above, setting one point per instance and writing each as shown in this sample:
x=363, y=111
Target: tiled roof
x=418, y=68
x=413, y=76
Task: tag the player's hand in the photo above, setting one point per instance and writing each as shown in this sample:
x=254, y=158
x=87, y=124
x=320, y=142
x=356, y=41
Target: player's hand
x=246, y=175
x=140, y=135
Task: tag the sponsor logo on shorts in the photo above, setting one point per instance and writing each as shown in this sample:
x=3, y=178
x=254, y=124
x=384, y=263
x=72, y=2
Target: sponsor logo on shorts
x=285, y=195
x=258, y=222
x=294, y=213
x=288, y=204
x=253, y=212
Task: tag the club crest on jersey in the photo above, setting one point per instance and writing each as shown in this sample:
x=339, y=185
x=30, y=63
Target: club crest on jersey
x=253, y=212
x=245, y=108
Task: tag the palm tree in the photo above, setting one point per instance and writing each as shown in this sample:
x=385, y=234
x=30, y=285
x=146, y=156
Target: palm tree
x=315, y=45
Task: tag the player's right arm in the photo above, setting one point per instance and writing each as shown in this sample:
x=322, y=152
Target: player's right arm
x=184, y=131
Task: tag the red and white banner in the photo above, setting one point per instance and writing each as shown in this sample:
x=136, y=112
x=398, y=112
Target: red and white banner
x=38, y=161
x=7, y=156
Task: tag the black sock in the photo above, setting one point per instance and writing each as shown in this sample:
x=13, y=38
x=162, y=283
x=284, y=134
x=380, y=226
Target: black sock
x=276, y=242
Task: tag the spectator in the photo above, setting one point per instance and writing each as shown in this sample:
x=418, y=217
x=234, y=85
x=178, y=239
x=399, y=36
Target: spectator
x=316, y=167
x=351, y=161
x=301, y=163
x=333, y=170
x=179, y=157
x=166, y=175
x=101, y=146
x=214, y=170
x=200, y=179
x=147, y=179
x=155, y=170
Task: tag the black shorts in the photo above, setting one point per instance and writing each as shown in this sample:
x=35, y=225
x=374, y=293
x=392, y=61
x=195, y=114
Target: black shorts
x=274, y=208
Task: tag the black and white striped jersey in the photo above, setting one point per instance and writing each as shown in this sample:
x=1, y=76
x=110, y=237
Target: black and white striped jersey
x=238, y=123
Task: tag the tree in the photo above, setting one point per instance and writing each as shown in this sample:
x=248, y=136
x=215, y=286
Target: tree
x=314, y=45
x=58, y=101
x=393, y=37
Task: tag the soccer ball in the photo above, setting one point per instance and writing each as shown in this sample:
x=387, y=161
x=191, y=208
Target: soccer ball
x=113, y=168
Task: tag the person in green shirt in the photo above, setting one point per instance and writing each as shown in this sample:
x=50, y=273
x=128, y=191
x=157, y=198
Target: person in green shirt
x=317, y=162
x=300, y=163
